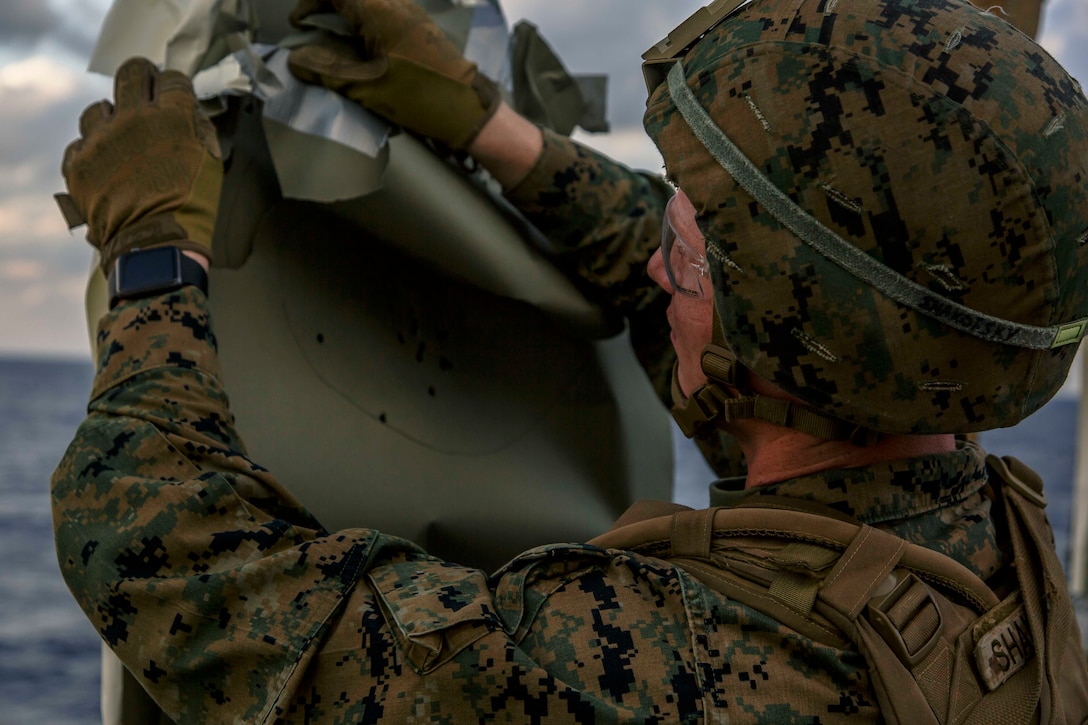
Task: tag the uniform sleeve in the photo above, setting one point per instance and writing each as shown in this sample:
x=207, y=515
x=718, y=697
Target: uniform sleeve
x=208, y=579
x=230, y=604
x=604, y=222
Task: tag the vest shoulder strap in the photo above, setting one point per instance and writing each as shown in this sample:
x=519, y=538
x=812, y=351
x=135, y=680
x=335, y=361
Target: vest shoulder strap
x=942, y=647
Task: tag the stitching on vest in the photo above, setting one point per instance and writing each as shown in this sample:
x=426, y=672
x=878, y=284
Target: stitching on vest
x=884, y=572
x=933, y=661
x=766, y=597
x=673, y=529
x=858, y=548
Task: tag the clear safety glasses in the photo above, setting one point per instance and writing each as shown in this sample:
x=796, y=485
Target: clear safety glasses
x=687, y=269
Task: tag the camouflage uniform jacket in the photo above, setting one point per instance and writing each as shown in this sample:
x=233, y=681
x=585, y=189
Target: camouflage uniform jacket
x=230, y=603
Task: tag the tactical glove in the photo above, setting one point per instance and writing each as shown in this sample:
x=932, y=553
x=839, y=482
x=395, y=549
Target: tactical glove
x=146, y=171
x=407, y=70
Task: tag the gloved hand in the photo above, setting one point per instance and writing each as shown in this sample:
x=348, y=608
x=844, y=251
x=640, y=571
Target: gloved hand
x=412, y=74
x=146, y=171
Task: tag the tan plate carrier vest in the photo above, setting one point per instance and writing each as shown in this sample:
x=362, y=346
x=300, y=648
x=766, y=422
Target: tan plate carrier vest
x=942, y=646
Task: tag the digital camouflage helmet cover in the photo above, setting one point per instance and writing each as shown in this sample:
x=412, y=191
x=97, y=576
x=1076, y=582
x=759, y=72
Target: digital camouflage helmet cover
x=892, y=194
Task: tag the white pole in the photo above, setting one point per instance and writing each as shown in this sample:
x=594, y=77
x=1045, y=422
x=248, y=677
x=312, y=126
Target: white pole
x=1078, y=562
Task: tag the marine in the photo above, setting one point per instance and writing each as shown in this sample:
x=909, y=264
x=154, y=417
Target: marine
x=864, y=537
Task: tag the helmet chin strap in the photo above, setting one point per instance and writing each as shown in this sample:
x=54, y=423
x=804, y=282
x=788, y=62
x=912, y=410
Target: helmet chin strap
x=726, y=397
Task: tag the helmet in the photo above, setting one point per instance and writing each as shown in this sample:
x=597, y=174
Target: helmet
x=892, y=194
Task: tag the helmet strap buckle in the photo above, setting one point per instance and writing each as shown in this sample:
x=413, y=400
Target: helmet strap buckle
x=725, y=397
x=702, y=409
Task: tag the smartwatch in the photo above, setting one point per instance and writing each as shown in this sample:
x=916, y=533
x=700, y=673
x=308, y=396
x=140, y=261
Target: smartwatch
x=149, y=272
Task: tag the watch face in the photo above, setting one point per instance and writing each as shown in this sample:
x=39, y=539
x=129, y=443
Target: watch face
x=147, y=271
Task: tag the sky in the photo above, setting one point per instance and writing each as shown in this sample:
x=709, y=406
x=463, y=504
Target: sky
x=44, y=49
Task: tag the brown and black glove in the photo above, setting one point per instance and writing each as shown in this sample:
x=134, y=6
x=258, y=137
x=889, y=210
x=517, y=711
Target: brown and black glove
x=407, y=69
x=146, y=171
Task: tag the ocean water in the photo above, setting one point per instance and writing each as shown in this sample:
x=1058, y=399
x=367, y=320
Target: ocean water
x=49, y=653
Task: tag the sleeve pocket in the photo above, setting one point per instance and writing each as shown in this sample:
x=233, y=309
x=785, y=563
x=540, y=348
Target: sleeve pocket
x=434, y=609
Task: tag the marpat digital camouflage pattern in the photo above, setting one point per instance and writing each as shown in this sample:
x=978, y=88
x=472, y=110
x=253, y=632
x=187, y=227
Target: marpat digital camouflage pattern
x=933, y=136
x=230, y=603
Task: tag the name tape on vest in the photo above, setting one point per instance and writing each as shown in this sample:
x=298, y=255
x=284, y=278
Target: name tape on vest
x=1004, y=650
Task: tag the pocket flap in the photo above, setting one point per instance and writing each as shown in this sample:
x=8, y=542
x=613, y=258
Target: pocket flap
x=434, y=609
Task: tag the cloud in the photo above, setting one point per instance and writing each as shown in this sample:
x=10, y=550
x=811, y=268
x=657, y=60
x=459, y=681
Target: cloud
x=45, y=314
x=29, y=221
x=43, y=268
x=38, y=79
x=40, y=103
x=22, y=270
x=26, y=21
x=68, y=27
